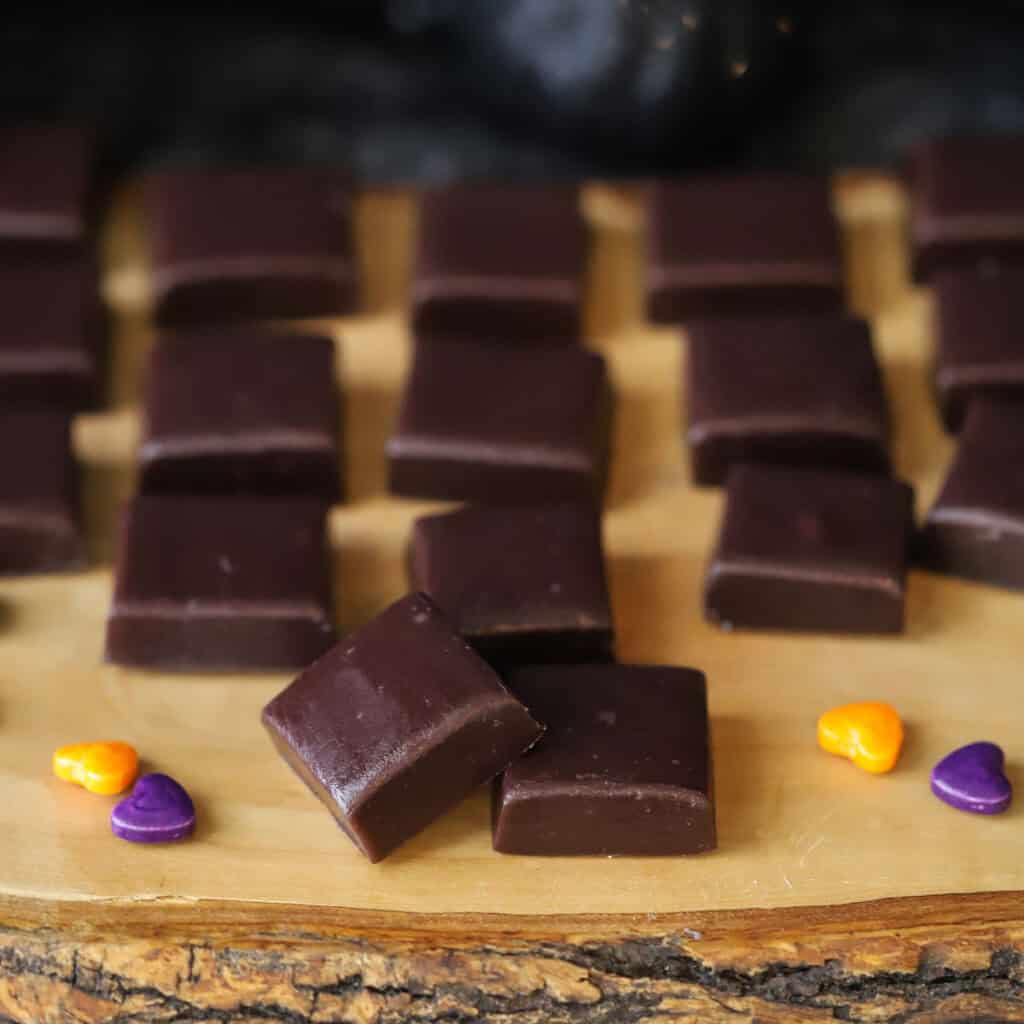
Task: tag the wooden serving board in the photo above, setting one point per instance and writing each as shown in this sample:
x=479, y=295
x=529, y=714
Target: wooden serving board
x=833, y=892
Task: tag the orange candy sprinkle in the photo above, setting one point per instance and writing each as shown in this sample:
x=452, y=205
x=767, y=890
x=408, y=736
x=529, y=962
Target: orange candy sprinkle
x=104, y=768
x=869, y=734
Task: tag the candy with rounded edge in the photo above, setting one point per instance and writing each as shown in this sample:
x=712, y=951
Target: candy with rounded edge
x=870, y=734
x=972, y=779
x=157, y=811
x=108, y=767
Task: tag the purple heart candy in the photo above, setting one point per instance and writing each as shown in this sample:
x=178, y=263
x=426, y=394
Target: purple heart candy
x=157, y=811
x=972, y=779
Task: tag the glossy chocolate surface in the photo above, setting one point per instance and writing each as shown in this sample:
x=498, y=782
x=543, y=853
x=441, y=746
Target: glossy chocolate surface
x=500, y=261
x=50, y=335
x=39, y=514
x=979, y=341
x=800, y=390
x=501, y=424
x=623, y=768
x=967, y=204
x=975, y=529
x=396, y=724
x=249, y=244
x=44, y=190
x=811, y=550
x=522, y=584
x=759, y=243
x=241, y=410
x=208, y=583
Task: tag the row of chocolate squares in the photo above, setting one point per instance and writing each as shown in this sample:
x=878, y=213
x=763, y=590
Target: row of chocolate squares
x=248, y=410
x=243, y=582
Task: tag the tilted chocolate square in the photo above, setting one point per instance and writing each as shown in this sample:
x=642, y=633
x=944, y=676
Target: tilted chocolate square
x=800, y=390
x=51, y=334
x=623, y=768
x=811, y=550
x=396, y=724
x=757, y=243
x=523, y=583
x=231, y=244
x=979, y=346
x=207, y=583
x=501, y=424
x=39, y=510
x=500, y=261
x=44, y=190
x=975, y=529
x=241, y=410
x=967, y=203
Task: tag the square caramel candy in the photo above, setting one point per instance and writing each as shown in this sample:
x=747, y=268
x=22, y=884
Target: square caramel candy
x=500, y=261
x=811, y=550
x=521, y=583
x=757, y=243
x=241, y=411
x=396, y=724
x=967, y=204
x=788, y=390
x=975, y=528
x=233, y=244
x=979, y=345
x=501, y=424
x=220, y=584
x=40, y=528
x=623, y=768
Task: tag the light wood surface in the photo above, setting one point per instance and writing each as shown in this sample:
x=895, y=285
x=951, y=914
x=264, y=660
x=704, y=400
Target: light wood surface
x=796, y=827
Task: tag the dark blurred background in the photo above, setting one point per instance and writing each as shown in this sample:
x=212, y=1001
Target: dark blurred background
x=418, y=90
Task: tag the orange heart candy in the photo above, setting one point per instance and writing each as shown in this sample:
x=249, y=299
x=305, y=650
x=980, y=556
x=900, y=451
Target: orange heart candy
x=104, y=768
x=869, y=734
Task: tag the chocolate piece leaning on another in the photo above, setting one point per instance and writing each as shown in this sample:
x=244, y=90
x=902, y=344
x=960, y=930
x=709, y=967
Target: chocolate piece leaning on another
x=623, y=769
x=44, y=191
x=396, y=724
x=241, y=410
x=231, y=244
x=811, y=550
x=39, y=510
x=761, y=243
x=789, y=390
x=979, y=343
x=500, y=261
x=496, y=423
x=50, y=335
x=523, y=584
x=205, y=583
x=975, y=529
x=967, y=206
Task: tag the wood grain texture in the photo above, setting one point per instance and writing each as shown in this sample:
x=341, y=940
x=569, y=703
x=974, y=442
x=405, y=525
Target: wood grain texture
x=834, y=895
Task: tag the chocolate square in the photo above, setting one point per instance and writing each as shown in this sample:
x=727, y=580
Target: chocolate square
x=548, y=602
x=249, y=244
x=241, y=411
x=39, y=513
x=44, y=190
x=757, y=243
x=975, y=529
x=501, y=424
x=50, y=334
x=979, y=345
x=207, y=583
x=500, y=261
x=810, y=550
x=397, y=724
x=967, y=203
x=623, y=768
x=787, y=390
